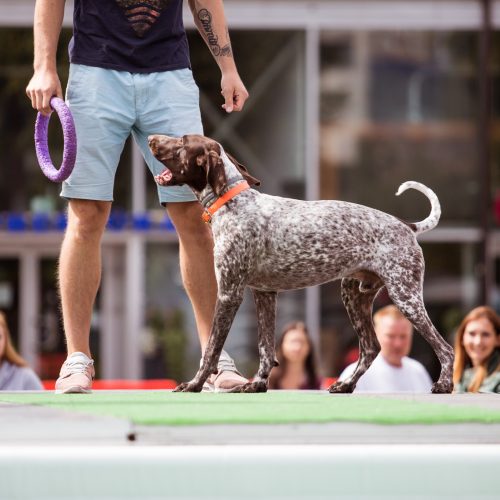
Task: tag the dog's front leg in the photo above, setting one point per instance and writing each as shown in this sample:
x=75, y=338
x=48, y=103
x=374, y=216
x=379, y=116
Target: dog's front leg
x=265, y=306
x=228, y=302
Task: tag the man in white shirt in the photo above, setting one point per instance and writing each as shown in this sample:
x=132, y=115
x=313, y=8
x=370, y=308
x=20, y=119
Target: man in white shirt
x=392, y=370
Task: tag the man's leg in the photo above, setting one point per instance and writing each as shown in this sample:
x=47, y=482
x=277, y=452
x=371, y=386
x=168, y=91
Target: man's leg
x=198, y=275
x=79, y=279
x=197, y=263
x=103, y=106
x=173, y=109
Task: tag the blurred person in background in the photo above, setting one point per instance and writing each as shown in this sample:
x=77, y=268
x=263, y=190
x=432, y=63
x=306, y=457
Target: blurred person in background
x=15, y=374
x=392, y=370
x=477, y=352
x=295, y=354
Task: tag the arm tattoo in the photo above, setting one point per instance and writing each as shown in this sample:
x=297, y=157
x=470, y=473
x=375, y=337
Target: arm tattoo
x=205, y=19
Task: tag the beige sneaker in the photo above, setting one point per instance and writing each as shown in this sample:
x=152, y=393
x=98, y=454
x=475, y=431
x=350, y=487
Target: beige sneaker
x=228, y=377
x=76, y=375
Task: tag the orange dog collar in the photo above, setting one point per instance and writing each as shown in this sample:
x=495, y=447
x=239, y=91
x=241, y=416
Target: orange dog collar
x=220, y=202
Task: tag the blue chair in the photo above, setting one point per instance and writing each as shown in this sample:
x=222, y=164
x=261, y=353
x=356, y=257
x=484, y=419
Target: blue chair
x=118, y=220
x=141, y=222
x=60, y=221
x=40, y=222
x=16, y=222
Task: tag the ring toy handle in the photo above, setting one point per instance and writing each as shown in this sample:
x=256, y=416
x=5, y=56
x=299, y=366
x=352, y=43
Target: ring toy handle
x=41, y=142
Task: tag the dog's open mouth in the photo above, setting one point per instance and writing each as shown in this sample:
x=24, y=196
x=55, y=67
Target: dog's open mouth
x=164, y=178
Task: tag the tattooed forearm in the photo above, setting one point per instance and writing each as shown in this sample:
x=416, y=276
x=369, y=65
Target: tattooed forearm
x=226, y=50
x=205, y=19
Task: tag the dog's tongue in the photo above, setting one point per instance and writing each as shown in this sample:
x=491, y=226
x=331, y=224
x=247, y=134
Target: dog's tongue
x=164, y=177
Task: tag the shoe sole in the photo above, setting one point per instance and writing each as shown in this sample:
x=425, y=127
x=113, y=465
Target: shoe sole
x=74, y=390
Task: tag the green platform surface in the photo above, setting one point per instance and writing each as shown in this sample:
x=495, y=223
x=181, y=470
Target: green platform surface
x=275, y=407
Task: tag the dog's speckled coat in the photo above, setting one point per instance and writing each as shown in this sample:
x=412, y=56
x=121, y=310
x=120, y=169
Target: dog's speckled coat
x=271, y=244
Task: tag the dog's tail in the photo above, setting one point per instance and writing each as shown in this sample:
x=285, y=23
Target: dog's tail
x=433, y=219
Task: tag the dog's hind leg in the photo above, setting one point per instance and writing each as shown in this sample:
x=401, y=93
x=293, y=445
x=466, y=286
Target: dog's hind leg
x=228, y=301
x=406, y=293
x=265, y=305
x=358, y=299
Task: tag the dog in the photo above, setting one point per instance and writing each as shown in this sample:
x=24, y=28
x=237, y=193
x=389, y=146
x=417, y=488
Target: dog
x=272, y=244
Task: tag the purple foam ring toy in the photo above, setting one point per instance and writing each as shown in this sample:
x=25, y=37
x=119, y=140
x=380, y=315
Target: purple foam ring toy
x=41, y=145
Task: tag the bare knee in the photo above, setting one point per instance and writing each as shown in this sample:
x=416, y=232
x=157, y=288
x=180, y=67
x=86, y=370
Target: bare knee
x=87, y=218
x=188, y=223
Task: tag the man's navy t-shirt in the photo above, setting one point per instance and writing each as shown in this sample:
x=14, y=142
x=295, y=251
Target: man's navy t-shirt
x=129, y=35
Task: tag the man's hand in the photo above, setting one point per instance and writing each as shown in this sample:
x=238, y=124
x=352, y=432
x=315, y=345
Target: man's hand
x=234, y=92
x=210, y=20
x=42, y=87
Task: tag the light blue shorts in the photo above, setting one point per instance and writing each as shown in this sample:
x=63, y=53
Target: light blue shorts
x=108, y=106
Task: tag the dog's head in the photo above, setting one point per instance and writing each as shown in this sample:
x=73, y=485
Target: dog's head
x=194, y=160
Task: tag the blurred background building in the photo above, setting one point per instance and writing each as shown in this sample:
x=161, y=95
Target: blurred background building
x=348, y=100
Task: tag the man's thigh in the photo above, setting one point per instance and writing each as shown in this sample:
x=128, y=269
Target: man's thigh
x=102, y=105
x=170, y=106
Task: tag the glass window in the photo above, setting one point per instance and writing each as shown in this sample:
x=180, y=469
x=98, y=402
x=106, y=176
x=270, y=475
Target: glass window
x=495, y=70
x=398, y=106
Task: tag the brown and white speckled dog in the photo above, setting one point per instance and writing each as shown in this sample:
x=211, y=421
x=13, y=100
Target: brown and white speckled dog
x=271, y=244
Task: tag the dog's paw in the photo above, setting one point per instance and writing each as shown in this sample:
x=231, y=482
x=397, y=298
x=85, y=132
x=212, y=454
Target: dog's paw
x=441, y=387
x=341, y=388
x=188, y=387
x=251, y=387
x=256, y=386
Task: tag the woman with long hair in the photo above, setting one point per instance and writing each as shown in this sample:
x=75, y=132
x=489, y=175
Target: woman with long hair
x=15, y=374
x=297, y=369
x=477, y=352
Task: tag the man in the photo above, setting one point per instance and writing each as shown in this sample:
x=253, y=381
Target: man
x=129, y=73
x=392, y=370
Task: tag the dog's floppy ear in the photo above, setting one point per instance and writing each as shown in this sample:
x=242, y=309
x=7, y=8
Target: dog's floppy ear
x=244, y=172
x=216, y=174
